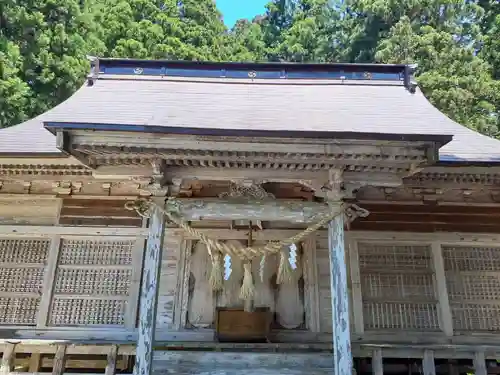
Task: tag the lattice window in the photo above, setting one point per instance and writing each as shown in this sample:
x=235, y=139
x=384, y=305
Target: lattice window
x=92, y=282
x=22, y=267
x=78, y=311
x=81, y=252
x=398, y=287
x=473, y=282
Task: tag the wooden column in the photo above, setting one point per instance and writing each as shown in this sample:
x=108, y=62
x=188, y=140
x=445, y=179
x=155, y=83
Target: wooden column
x=377, y=362
x=149, y=294
x=357, y=297
x=342, y=357
x=59, y=360
x=112, y=356
x=445, y=317
x=480, y=364
x=8, y=359
x=428, y=363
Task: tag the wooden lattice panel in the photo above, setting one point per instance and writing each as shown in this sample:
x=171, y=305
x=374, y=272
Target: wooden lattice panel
x=410, y=316
x=395, y=257
x=464, y=258
x=473, y=282
x=398, y=287
x=81, y=252
x=22, y=267
x=19, y=310
x=21, y=279
x=23, y=250
x=75, y=311
x=92, y=282
x=476, y=317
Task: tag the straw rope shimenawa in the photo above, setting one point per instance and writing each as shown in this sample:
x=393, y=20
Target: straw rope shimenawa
x=218, y=248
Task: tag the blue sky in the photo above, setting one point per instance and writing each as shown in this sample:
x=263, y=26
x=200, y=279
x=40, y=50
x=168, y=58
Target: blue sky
x=233, y=10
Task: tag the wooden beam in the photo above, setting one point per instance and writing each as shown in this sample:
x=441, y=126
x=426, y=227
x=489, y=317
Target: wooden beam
x=59, y=360
x=423, y=227
x=342, y=356
x=8, y=359
x=465, y=239
x=357, y=297
x=428, y=209
x=292, y=211
x=480, y=364
x=49, y=231
x=111, y=360
x=149, y=294
x=428, y=363
x=48, y=282
x=445, y=317
x=135, y=284
x=311, y=284
x=34, y=362
x=449, y=218
x=377, y=362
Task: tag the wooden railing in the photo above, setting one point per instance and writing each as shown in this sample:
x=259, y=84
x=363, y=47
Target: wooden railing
x=24, y=357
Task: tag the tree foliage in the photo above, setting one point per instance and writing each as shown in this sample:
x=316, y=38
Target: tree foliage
x=455, y=43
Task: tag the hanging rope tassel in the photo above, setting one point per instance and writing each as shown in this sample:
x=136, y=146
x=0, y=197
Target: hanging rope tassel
x=285, y=272
x=217, y=273
x=247, y=290
x=262, y=268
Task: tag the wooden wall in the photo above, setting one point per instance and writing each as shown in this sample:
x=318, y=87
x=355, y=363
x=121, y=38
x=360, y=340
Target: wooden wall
x=429, y=218
x=170, y=273
x=458, y=280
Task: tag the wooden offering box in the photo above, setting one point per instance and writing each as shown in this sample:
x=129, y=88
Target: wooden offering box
x=237, y=325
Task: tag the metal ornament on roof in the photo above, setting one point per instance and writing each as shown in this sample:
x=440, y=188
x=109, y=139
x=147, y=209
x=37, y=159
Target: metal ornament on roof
x=138, y=71
x=252, y=74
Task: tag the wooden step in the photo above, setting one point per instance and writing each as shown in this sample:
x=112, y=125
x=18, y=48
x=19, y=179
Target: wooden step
x=232, y=363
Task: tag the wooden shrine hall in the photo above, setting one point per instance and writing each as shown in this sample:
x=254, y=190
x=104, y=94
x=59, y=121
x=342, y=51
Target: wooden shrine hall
x=226, y=218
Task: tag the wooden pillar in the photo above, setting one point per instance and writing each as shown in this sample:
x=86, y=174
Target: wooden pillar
x=428, y=363
x=377, y=362
x=8, y=359
x=480, y=364
x=149, y=294
x=445, y=317
x=111, y=360
x=357, y=297
x=342, y=357
x=59, y=360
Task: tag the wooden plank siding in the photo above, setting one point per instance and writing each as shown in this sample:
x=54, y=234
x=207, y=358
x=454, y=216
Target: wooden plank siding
x=429, y=218
x=104, y=212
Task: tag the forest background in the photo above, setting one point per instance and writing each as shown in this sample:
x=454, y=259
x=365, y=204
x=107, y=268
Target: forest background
x=456, y=44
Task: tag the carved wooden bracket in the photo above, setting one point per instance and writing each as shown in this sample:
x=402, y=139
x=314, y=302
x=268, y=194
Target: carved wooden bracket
x=62, y=188
x=246, y=189
x=155, y=185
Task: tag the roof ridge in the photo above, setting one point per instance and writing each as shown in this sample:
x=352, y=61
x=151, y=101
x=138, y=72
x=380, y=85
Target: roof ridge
x=101, y=67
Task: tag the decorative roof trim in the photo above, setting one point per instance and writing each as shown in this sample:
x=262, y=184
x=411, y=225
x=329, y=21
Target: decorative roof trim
x=252, y=71
x=439, y=139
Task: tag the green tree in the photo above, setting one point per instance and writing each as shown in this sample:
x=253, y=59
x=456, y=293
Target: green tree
x=52, y=38
x=14, y=91
x=246, y=41
x=452, y=76
x=171, y=29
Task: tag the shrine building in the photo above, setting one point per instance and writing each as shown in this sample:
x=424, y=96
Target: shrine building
x=234, y=218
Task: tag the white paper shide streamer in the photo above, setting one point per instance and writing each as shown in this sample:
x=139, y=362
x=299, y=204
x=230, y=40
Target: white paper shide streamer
x=293, y=256
x=227, y=267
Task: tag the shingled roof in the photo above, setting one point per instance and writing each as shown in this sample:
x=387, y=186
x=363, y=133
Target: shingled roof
x=362, y=101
